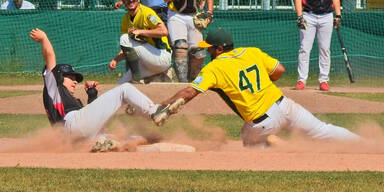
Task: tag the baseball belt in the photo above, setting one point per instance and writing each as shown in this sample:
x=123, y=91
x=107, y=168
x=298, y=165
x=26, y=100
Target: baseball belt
x=264, y=116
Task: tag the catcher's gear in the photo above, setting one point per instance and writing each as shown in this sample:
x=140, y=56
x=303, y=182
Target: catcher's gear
x=301, y=22
x=180, y=55
x=138, y=38
x=337, y=21
x=195, y=60
x=202, y=19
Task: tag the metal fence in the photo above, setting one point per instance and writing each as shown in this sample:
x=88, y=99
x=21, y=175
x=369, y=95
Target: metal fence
x=218, y=4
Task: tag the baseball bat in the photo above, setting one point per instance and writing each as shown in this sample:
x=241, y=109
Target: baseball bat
x=346, y=60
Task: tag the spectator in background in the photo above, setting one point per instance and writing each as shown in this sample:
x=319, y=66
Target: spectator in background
x=315, y=18
x=159, y=6
x=144, y=45
x=17, y=4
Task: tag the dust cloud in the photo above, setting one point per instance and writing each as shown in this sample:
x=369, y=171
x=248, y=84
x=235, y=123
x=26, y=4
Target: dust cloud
x=212, y=138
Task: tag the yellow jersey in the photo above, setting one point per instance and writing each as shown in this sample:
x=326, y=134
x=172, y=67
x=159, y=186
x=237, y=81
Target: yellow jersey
x=241, y=77
x=147, y=19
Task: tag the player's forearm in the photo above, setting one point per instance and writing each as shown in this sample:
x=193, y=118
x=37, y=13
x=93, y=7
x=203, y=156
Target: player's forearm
x=210, y=6
x=187, y=94
x=298, y=7
x=159, y=31
x=48, y=54
x=119, y=57
x=336, y=3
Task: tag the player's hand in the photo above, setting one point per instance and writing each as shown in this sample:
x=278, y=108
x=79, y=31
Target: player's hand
x=118, y=4
x=337, y=21
x=131, y=30
x=112, y=64
x=37, y=35
x=91, y=84
x=301, y=22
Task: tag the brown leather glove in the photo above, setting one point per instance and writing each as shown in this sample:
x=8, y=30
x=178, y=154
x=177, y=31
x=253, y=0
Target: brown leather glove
x=202, y=20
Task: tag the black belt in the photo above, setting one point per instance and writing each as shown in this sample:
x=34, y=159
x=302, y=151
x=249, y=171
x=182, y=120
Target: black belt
x=264, y=116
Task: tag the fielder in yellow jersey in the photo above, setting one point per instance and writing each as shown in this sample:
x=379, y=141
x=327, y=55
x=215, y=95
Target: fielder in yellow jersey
x=244, y=79
x=146, y=19
x=251, y=90
x=144, y=45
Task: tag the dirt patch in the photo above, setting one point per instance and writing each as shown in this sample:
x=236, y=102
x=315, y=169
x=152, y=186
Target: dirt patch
x=48, y=148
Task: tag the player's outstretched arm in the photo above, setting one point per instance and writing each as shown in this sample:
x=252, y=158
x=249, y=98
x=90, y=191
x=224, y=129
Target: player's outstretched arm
x=187, y=94
x=46, y=47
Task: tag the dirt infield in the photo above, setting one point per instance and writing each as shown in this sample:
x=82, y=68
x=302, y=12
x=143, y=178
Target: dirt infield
x=46, y=149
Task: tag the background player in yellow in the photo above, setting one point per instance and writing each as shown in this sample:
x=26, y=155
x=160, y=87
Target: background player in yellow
x=243, y=78
x=144, y=44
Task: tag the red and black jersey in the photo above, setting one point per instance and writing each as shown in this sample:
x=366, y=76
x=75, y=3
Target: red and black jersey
x=318, y=6
x=57, y=99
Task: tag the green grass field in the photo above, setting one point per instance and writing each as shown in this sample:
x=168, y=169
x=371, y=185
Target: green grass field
x=40, y=179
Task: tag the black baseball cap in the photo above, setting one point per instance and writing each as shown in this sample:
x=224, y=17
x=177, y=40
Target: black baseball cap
x=217, y=37
x=67, y=69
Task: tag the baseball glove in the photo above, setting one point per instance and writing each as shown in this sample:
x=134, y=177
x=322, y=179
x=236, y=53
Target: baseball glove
x=138, y=38
x=202, y=19
x=301, y=22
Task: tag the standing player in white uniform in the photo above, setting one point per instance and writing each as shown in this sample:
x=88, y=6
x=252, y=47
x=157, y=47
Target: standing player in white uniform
x=243, y=78
x=315, y=19
x=144, y=44
x=65, y=110
x=184, y=36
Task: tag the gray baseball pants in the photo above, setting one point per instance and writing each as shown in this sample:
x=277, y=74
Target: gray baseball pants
x=289, y=115
x=320, y=26
x=89, y=120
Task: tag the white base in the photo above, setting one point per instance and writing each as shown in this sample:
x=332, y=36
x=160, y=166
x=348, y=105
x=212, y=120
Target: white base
x=166, y=147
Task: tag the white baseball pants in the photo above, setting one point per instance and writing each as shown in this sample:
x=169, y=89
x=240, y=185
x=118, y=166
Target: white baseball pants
x=289, y=115
x=181, y=26
x=320, y=26
x=152, y=60
x=89, y=120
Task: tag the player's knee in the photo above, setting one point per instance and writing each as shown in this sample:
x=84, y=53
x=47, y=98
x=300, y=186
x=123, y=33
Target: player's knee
x=198, y=53
x=180, y=51
x=195, y=61
x=125, y=40
x=130, y=54
x=181, y=44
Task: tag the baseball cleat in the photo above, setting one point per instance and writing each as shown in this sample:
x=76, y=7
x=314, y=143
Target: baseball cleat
x=106, y=146
x=300, y=85
x=324, y=86
x=163, y=112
